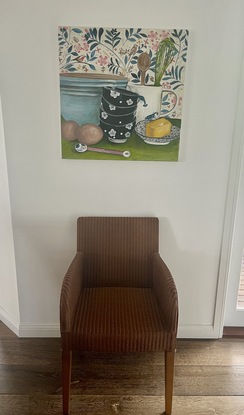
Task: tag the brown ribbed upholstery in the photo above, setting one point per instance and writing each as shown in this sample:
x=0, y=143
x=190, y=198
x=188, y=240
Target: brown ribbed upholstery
x=117, y=250
x=118, y=295
x=119, y=319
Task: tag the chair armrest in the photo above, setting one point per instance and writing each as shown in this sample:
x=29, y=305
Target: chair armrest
x=70, y=292
x=165, y=292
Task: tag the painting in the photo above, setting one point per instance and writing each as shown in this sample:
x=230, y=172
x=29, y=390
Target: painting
x=121, y=92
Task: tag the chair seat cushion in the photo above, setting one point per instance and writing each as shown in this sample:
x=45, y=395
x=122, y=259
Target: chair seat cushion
x=119, y=319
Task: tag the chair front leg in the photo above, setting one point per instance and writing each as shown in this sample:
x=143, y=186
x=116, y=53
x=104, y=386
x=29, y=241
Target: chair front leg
x=66, y=378
x=169, y=380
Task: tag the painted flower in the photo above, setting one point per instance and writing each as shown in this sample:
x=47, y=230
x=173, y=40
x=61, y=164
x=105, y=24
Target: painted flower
x=114, y=94
x=102, y=60
x=104, y=115
x=129, y=126
x=86, y=47
x=127, y=135
x=112, y=133
x=112, y=107
x=155, y=46
x=152, y=35
x=164, y=34
x=78, y=47
x=129, y=102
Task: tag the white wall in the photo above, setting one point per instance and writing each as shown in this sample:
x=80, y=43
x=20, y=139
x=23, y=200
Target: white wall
x=48, y=193
x=9, y=303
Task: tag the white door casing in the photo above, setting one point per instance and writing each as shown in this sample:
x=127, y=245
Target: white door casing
x=233, y=230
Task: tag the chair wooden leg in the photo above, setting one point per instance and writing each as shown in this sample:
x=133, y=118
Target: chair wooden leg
x=169, y=379
x=66, y=378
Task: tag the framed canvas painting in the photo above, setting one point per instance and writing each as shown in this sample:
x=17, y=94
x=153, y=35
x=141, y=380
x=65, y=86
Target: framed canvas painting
x=121, y=92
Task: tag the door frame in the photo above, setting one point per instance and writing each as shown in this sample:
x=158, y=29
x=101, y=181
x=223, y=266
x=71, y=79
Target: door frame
x=236, y=161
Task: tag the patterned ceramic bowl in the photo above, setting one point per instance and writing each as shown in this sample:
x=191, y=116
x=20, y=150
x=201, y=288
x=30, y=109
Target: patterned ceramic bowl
x=114, y=119
x=114, y=109
x=117, y=133
x=120, y=97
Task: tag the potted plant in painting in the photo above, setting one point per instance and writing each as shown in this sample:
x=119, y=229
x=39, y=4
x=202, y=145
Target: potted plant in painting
x=153, y=93
x=164, y=56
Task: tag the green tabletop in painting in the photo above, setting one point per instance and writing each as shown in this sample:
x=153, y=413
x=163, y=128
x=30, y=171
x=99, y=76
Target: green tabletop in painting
x=139, y=150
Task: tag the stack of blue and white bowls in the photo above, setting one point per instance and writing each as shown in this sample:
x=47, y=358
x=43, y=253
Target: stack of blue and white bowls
x=118, y=113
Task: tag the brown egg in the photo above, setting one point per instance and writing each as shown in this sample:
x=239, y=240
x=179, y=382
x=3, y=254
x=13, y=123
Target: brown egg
x=69, y=130
x=89, y=134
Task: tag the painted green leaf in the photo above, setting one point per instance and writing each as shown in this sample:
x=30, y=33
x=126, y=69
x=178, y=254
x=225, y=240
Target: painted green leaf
x=76, y=30
x=100, y=32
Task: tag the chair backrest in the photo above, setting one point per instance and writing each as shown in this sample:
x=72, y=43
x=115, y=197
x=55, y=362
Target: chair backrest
x=117, y=250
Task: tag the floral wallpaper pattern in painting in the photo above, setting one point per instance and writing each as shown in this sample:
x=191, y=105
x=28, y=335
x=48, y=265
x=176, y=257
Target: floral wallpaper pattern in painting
x=145, y=64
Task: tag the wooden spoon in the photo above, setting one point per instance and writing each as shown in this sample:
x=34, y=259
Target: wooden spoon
x=143, y=64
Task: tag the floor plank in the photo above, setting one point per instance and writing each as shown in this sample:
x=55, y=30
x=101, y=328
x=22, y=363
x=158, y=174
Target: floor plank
x=5, y=332
x=209, y=379
x=111, y=405
x=222, y=352
x=37, y=351
x=110, y=379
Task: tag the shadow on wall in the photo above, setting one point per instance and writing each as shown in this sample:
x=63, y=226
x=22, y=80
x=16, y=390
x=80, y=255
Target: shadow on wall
x=44, y=248
x=195, y=275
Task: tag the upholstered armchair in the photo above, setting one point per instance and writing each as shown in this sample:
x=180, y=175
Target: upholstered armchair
x=118, y=295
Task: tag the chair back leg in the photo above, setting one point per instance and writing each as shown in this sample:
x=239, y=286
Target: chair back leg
x=66, y=378
x=169, y=380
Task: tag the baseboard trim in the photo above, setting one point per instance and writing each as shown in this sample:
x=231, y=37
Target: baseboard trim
x=53, y=330
x=39, y=330
x=194, y=331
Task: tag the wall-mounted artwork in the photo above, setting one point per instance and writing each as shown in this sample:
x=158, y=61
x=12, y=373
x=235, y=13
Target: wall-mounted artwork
x=121, y=92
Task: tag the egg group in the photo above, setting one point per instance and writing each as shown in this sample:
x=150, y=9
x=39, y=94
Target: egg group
x=88, y=134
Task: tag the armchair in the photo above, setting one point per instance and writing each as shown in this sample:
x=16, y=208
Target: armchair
x=118, y=295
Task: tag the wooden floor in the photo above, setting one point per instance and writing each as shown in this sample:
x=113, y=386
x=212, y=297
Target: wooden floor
x=209, y=379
